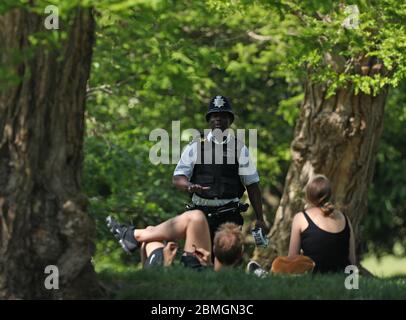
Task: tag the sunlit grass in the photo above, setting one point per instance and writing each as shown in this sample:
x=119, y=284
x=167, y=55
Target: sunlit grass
x=386, y=266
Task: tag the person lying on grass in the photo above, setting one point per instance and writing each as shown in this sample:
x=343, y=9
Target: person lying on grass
x=321, y=233
x=190, y=226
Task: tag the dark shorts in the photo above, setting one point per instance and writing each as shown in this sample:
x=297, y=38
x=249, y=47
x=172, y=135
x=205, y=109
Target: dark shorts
x=190, y=261
x=156, y=259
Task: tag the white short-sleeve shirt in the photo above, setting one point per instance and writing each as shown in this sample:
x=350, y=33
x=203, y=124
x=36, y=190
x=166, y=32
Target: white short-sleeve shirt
x=247, y=170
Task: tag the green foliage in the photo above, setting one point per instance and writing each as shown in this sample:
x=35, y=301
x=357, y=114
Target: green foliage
x=7, y=5
x=336, y=54
x=385, y=224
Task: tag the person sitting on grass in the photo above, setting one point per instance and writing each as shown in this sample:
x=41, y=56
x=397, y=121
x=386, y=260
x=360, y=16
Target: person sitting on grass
x=190, y=226
x=321, y=234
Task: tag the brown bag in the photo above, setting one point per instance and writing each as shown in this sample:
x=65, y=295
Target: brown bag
x=292, y=265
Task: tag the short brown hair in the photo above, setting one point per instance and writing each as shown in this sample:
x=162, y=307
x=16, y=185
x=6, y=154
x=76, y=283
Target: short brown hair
x=318, y=193
x=228, y=244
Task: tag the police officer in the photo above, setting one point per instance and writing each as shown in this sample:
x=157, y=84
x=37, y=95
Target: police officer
x=216, y=170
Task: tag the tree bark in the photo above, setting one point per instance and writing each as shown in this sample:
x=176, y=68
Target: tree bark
x=43, y=218
x=337, y=137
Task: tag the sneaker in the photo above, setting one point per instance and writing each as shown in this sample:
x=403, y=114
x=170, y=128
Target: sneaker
x=124, y=234
x=255, y=268
x=115, y=228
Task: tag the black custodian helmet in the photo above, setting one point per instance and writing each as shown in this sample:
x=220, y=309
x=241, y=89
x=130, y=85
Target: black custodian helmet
x=219, y=104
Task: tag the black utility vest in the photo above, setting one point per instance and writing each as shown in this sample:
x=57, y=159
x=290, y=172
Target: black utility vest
x=222, y=178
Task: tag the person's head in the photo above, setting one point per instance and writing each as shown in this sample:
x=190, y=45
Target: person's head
x=220, y=120
x=228, y=244
x=318, y=194
x=220, y=115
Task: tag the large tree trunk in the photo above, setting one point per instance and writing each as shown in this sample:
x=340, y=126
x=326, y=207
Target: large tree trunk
x=337, y=137
x=43, y=218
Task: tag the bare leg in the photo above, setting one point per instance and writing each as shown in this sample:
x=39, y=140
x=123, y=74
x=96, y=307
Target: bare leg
x=197, y=233
x=151, y=246
x=191, y=225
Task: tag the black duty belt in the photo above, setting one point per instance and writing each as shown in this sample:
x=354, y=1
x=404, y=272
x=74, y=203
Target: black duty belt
x=229, y=208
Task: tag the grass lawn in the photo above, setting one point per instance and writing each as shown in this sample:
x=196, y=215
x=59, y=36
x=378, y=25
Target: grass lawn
x=387, y=266
x=178, y=283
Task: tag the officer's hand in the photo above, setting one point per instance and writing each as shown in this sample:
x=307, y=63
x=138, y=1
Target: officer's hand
x=196, y=187
x=262, y=224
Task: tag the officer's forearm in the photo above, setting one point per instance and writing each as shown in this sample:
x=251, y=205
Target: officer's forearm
x=254, y=194
x=181, y=182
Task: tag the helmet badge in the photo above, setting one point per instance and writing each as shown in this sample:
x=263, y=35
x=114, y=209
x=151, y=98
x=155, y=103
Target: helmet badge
x=218, y=102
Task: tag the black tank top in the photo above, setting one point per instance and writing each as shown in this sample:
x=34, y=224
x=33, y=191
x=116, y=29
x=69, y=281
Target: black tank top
x=328, y=250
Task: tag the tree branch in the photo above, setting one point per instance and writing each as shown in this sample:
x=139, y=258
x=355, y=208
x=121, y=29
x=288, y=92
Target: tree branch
x=258, y=37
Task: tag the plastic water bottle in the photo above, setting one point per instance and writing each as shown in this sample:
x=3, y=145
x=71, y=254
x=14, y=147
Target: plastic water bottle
x=260, y=239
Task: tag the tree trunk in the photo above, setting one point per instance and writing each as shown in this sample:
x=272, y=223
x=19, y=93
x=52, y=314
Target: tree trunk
x=43, y=218
x=337, y=137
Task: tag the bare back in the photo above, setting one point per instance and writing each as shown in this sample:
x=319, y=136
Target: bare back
x=333, y=223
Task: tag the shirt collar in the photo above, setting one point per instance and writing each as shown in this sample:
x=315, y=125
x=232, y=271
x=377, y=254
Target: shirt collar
x=210, y=137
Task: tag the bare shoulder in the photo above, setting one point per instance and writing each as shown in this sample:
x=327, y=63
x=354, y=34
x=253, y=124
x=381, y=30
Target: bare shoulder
x=299, y=221
x=299, y=216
